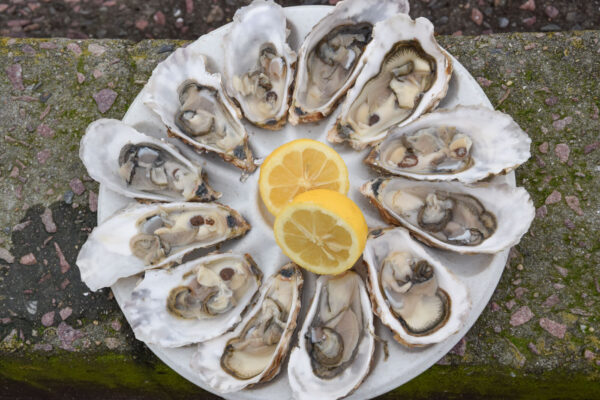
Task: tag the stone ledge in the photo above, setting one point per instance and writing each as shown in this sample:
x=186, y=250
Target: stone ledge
x=538, y=336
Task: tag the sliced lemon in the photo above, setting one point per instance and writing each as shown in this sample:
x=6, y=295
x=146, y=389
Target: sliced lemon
x=298, y=166
x=321, y=230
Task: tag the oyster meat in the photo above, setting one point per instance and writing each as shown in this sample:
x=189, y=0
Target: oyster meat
x=464, y=143
x=413, y=294
x=153, y=236
x=192, y=302
x=486, y=218
x=193, y=105
x=258, y=65
x=254, y=351
x=406, y=75
x=139, y=166
x=331, y=55
x=336, y=342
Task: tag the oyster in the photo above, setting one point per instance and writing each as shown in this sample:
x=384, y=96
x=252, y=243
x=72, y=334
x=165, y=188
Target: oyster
x=193, y=302
x=139, y=166
x=413, y=294
x=152, y=236
x=254, y=351
x=336, y=342
x=485, y=218
x=192, y=104
x=259, y=64
x=331, y=55
x=406, y=75
x=467, y=144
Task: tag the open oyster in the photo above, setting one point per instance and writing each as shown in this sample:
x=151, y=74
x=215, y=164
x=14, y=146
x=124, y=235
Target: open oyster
x=258, y=65
x=413, y=294
x=193, y=302
x=336, y=342
x=152, y=236
x=254, y=351
x=464, y=143
x=139, y=166
x=486, y=218
x=192, y=104
x=406, y=75
x=331, y=55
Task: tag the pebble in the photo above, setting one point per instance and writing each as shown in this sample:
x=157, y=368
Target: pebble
x=573, y=203
x=215, y=14
x=45, y=131
x=562, y=152
x=97, y=73
x=553, y=197
x=65, y=313
x=552, y=100
x=48, y=319
x=112, y=343
x=562, y=271
x=64, y=284
x=589, y=355
x=77, y=186
x=510, y=304
x=159, y=18
x=529, y=5
x=529, y=21
x=569, y=224
x=74, y=47
x=560, y=124
x=62, y=261
x=28, y=259
x=533, y=348
x=551, y=301
x=96, y=49
x=80, y=77
x=67, y=335
x=558, y=286
x=48, y=45
x=6, y=256
x=42, y=346
x=141, y=24
x=3, y=7
x=551, y=11
x=554, y=328
x=15, y=75
x=105, y=99
x=550, y=28
x=476, y=16
x=189, y=6
x=503, y=22
x=93, y=201
x=47, y=220
x=591, y=147
x=484, y=82
x=521, y=316
x=520, y=291
x=460, y=348
x=543, y=148
x=116, y=325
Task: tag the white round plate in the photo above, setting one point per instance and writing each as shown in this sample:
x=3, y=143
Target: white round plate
x=480, y=273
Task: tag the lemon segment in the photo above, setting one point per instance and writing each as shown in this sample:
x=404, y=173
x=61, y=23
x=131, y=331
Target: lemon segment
x=321, y=230
x=299, y=166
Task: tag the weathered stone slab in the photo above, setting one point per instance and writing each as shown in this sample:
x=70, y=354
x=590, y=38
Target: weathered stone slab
x=537, y=338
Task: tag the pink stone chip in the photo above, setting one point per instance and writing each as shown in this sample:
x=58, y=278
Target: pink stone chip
x=77, y=186
x=573, y=203
x=521, y=316
x=551, y=301
x=561, y=124
x=65, y=313
x=28, y=259
x=141, y=24
x=554, y=328
x=529, y=5
x=80, y=77
x=105, y=99
x=553, y=197
x=476, y=16
x=93, y=201
x=48, y=221
x=45, y=131
x=159, y=18
x=43, y=156
x=74, y=47
x=48, y=319
x=15, y=75
x=484, y=82
x=562, y=152
x=62, y=261
x=96, y=49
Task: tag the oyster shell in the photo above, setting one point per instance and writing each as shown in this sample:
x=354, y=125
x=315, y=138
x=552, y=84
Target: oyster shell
x=406, y=75
x=330, y=57
x=192, y=104
x=484, y=218
x=152, y=236
x=467, y=144
x=336, y=342
x=140, y=166
x=192, y=302
x=254, y=351
x=259, y=64
x=413, y=294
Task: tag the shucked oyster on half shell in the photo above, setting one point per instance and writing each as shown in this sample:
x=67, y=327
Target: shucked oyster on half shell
x=259, y=64
x=140, y=166
x=330, y=57
x=153, y=236
x=193, y=105
x=406, y=75
x=466, y=144
x=192, y=302
x=413, y=294
x=254, y=351
x=483, y=218
x=336, y=342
